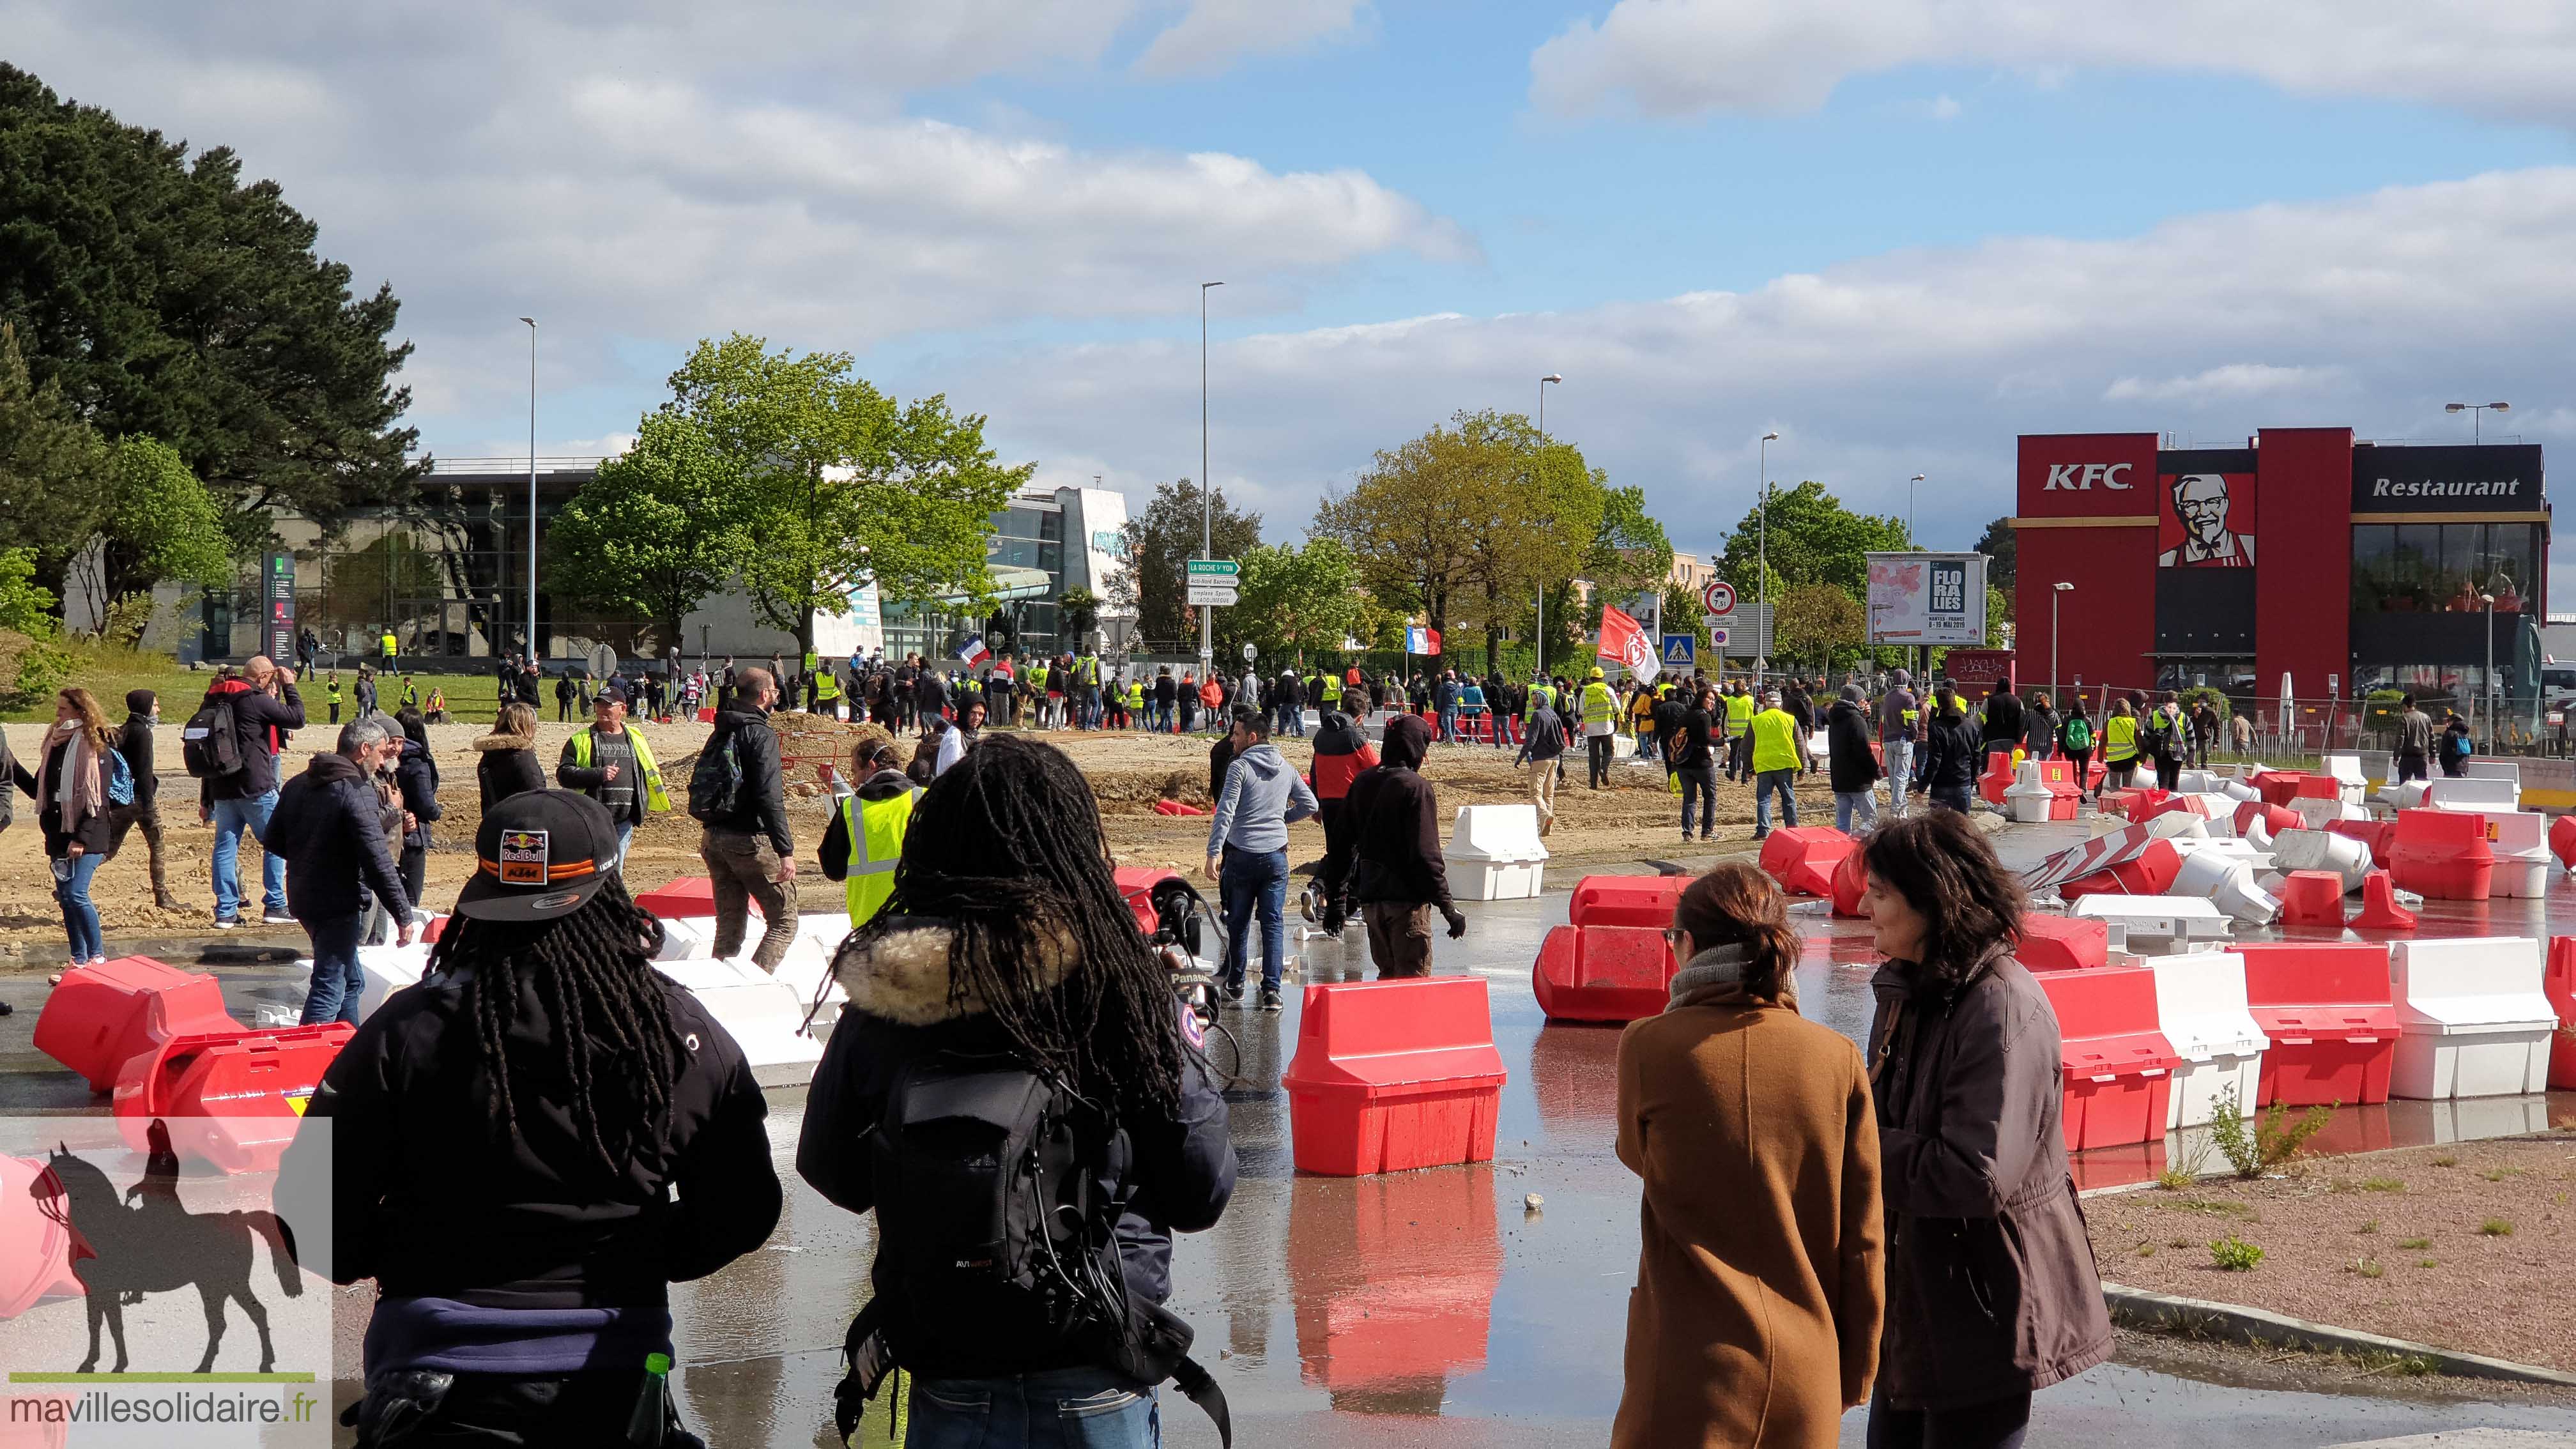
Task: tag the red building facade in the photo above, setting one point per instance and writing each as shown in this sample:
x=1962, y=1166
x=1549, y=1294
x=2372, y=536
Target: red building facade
x=2347, y=567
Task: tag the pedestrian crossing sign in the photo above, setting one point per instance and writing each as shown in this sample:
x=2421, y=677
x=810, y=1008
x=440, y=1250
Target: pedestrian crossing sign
x=1679, y=652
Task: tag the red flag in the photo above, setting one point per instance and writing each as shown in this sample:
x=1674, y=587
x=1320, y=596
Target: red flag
x=1624, y=641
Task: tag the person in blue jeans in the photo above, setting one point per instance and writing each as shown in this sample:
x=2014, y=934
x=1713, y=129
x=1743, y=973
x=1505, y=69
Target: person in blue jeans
x=71, y=785
x=329, y=827
x=1444, y=702
x=265, y=707
x=1248, y=853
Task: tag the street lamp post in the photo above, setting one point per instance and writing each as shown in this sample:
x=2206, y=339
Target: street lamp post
x=1540, y=642
x=2055, y=594
x=2488, y=711
x=1909, y=517
x=532, y=487
x=1207, y=489
x=1762, y=549
x=1542, y=400
x=2477, y=416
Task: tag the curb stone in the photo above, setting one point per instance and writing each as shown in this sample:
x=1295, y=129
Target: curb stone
x=2162, y=1312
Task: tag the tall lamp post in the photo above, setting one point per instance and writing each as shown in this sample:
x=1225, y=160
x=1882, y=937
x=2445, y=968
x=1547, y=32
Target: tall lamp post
x=1540, y=641
x=1909, y=514
x=2056, y=593
x=2477, y=416
x=1207, y=489
x=1542, y=400
x=1762, y=551
x=532, y=487
x=2487, y=710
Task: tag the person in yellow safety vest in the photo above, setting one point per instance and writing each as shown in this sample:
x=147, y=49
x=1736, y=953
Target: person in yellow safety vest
x=335, y=696
x=386, y=644
x=437, y=706
x=1086, y=691
x=827, y=691
x=1600, y=706
x=1332, y=690
x=2120, y=747
x=865, y=840
x=1136, y=704
x=410, y=693
x=1739, y=730
x=1779, y=757
x=1541, y=696
x=609, y=761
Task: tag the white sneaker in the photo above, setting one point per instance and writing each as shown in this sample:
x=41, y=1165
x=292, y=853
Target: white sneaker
x=277, y=918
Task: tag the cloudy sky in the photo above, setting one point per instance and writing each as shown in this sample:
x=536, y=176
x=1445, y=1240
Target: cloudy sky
x=1897, y=232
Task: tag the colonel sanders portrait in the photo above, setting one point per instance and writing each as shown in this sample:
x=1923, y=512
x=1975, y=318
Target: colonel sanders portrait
x=2200, y=501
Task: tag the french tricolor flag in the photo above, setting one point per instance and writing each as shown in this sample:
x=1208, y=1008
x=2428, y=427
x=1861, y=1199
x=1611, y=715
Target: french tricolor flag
x=973, y=650
x=1422, y=641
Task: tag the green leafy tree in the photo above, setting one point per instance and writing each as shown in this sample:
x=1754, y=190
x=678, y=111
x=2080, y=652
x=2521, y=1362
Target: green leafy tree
x=1813, y=624
x=1161, y=539
x=164, y=296
x=1404, y=521
x=653, y=532
x=1297, y=602
x=1997, y=543
x=840, y=479
x=25, y=605
x=1077, y=612
x=161, y=524
x=1813, y=539
x=54, y=470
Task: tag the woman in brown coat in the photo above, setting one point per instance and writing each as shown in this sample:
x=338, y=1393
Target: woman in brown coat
x=1991, y=1288
x=1755, y=1317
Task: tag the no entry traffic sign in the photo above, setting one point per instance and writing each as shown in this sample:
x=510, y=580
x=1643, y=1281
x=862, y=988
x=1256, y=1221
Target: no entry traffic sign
x=1718, y=597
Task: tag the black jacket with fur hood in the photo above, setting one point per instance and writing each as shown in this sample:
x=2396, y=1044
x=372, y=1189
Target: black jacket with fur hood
x=900, y=1009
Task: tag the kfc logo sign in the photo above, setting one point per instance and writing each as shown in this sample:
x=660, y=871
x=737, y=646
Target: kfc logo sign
x=2081, y=477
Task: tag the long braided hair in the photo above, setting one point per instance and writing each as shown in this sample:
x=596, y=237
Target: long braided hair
x=592, y=972
x=1007, y=847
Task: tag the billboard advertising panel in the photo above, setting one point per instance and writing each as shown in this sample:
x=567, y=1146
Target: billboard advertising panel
x=1927, y=598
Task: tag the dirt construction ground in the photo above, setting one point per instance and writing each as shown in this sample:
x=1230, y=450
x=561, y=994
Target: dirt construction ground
x=1633, y=819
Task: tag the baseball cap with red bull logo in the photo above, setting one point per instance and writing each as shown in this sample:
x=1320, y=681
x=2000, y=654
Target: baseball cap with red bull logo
x=539, y=855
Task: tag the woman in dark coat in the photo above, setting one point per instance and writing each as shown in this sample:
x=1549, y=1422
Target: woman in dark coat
x=417, y=775
x=1992, y=1291
x=506, y=759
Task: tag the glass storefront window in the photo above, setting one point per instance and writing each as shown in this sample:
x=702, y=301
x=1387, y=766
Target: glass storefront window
x=2463, y=565
x=2443, y=567
x=2374, y=547
x=2511, y=547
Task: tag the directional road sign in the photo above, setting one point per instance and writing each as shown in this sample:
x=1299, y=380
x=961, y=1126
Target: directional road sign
x=1219, y=591
x=1718, y=597
x=1200, y=567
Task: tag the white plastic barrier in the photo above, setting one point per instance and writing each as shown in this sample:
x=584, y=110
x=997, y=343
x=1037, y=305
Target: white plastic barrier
x=2226, y=880
x=2403, y=795
x=2196, y=782
x=760, y=1012
x=388, y=969
x=2478, y=1119
x=2200, y=1007
x=2345, y=771
x=2321, y=850
x=807, y=962
x=2239, y=791
x=2163, y=922
x=2179, y=825
x=2026, y=800
x=2494, y=770
x=2320, y=813
x=2474, y=793
x=1494, y=853
x=2521, y=842
x=2472, y=1018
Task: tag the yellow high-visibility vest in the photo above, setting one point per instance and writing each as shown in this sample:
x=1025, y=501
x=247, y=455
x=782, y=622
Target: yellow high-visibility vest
x=1775, y=741
x=1600, y=705
x=654, y=796
x=1739, y=711
x=876, y=829
x=2119, y=739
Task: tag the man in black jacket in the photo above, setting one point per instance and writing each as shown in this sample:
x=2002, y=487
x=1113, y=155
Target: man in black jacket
x=330, y=828
x=1947, y=767
x=1400, y=876
x=1850, y=761
x=1542, y=757
x=750, y=851
x=265, y=708
x=134, y=742
x=1693, y=758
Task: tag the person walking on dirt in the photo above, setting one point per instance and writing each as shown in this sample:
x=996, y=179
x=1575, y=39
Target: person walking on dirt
x=1341, y=753
x=870, y=816
x=260, y=707
x=1600, y=725
x=1542, y=757
x=1398, y=874
x=1850, y=763
x=739, y=795
x=1947, y=765
x=329, y=827
x=135, y=743
x=1248, y=853
x=505, y=762
x=1780, y=756
x=1691, y=755
x=609, y=761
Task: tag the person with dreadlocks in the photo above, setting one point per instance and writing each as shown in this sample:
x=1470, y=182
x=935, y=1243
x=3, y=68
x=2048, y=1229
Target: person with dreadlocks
x=1006, y=955
x=525, y=1150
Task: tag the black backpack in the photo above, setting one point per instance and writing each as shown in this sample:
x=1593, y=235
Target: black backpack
x=210, y=743
x=716, y=783
x=997, y=1251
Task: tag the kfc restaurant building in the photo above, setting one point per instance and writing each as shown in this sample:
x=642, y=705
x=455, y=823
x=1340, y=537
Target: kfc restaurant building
x=2347, y=567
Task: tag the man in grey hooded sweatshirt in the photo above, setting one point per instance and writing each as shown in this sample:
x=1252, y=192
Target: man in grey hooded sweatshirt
x=1248, y=852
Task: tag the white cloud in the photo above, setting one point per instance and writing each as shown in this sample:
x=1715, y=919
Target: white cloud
x=2225, y=383
x=1946, y=108
x=1216, y=33
x=2507, y=58
x=2379, y=307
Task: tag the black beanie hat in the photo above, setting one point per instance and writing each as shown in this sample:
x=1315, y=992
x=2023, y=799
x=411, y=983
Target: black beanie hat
x=139, y=700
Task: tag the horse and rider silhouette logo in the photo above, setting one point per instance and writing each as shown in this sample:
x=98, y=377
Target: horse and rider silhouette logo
x=127, y=1246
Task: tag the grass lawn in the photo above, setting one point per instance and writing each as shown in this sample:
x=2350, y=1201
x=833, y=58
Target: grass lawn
x=111, y=673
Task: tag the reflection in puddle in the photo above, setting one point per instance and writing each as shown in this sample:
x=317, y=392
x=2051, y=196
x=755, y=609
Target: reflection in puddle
x=1392, y=1279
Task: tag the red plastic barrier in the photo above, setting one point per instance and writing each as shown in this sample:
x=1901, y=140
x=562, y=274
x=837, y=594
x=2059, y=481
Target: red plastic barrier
x=2057, y=772
x=232, y=1101
x=2280, y=787
x=2442, y=855
x=2379, y=908
x=2275, y=818
x=2332, y=1022
x=2118, y=1065
x=690, y=895
x=2562, y=840
x=1851, y=882
x=1802, y=858
x=1392, y=1279
x=2379, y=835
x=1998, y=777
x=2137, y=803
x=102, y=1015
x=2062, y=943
x=1137, y=884
x=1603, y=973
x=2558, y=979
x=436, y=928
x=1394, y=1075
x=1626, y=900
x=2319, y=787
x=2151, y=874
x=2313, y=898
x=37, y=1244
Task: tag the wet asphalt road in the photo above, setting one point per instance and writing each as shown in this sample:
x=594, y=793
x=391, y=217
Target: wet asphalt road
x=1423, y=1308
